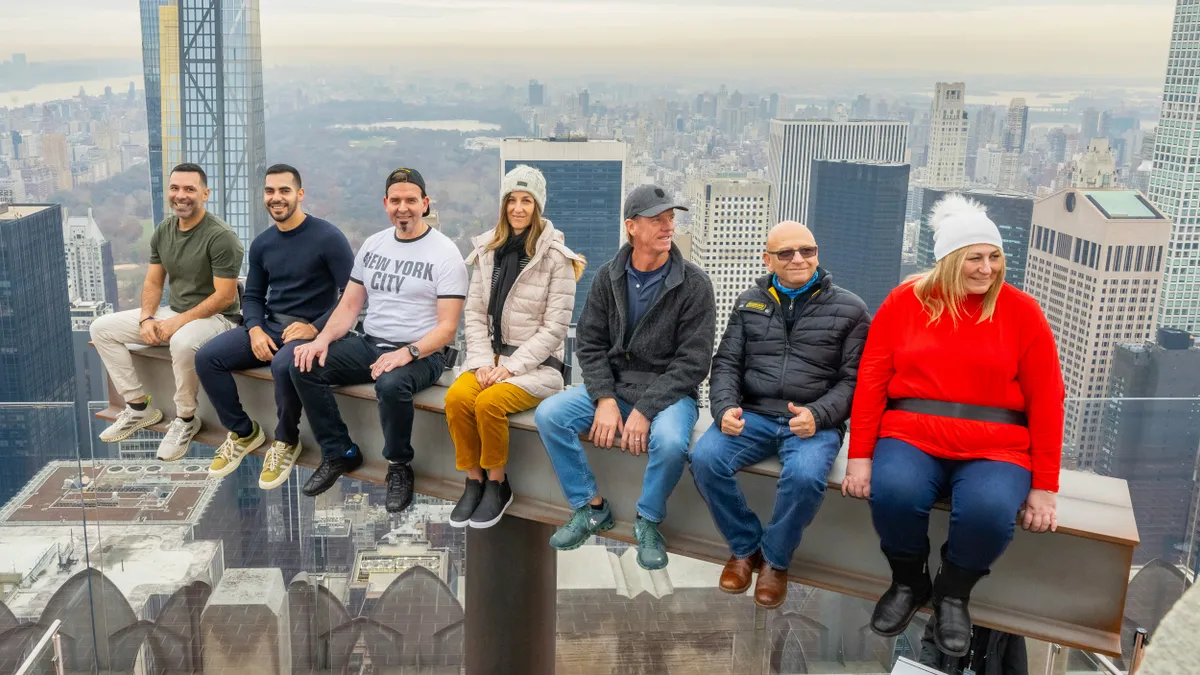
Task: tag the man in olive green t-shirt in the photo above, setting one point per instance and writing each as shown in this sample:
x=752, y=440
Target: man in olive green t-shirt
x=202, y=257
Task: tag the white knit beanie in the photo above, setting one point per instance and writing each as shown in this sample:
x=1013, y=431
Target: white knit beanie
x=524, y=179
x=958, y=222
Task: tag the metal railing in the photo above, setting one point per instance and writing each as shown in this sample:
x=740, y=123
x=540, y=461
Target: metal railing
x=50, y=645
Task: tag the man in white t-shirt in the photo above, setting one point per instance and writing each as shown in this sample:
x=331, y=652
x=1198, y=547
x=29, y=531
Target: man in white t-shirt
x=414, y=282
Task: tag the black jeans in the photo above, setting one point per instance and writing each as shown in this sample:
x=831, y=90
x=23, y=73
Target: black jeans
x=349, y=362
x=230, y=351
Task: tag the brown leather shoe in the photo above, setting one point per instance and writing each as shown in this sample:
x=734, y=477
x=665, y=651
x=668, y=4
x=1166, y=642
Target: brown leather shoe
x=771, y=590
x=738, y=573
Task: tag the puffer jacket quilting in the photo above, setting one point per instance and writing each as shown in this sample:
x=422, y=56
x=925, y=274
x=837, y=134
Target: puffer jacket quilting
x=536, y=313
x=822, y=353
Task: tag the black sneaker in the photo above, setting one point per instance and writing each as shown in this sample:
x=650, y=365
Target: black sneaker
x=399, y=487
x=467, y=503
x=497, y=497
x=331, y=469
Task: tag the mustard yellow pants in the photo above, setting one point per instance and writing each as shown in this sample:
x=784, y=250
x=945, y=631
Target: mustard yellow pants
x=478, y=420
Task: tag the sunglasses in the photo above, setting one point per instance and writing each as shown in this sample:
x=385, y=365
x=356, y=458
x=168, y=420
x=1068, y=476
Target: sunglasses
x=786, y=255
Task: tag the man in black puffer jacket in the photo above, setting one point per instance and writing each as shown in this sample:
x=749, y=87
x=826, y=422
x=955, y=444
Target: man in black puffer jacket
x=782, y=382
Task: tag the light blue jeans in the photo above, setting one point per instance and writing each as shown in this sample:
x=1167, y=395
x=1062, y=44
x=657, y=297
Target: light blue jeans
x=562, y=417
x=806, y=462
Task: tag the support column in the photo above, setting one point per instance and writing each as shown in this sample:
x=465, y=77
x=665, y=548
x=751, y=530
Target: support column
x=512, y=599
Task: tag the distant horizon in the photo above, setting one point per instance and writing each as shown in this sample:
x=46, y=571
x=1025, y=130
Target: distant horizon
x=1116, y=40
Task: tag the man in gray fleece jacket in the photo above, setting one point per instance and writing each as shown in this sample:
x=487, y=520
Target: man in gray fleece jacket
x=645, y=341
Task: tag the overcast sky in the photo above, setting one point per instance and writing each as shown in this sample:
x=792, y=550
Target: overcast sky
x=1124, y=39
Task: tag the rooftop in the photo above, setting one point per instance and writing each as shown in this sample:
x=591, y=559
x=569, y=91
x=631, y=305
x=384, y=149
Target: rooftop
x=114, y=491
x=1122, y=204
x=35, y=562
x=18, y=211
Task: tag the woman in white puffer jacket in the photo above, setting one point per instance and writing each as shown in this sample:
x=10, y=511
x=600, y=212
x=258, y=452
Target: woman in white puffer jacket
x=517, y=313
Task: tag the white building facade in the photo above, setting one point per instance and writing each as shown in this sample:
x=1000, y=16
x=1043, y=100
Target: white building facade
x=1096, y=261
x=794, y=144
x=946, y=162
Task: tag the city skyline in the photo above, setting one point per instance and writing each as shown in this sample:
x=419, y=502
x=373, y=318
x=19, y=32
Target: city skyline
x=866, y=35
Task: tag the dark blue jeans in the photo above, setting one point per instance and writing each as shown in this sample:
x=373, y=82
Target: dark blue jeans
x=984, y=495
x=349, y=362
x=230, y=351
x=717, y=458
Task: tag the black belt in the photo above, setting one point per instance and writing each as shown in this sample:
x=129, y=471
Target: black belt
x=637, y=377
x=386, y=344
x=774, y=405
x=962, y=411
x=509, y=350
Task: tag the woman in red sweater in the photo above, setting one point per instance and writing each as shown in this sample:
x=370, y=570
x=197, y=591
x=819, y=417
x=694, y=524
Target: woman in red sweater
x=959, y=397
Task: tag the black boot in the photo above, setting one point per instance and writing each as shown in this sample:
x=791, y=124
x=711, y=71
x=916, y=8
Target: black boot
x=952, y=621
x=910, y=590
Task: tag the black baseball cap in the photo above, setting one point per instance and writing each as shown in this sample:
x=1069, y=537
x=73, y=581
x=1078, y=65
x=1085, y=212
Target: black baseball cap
x=403, y=175
x=649, y=201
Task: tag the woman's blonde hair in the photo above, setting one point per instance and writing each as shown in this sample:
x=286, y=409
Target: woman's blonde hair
x=943, y=289
x=504, y=229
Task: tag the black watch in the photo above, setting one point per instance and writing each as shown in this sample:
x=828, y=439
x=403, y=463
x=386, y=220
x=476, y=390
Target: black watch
x=415, y=351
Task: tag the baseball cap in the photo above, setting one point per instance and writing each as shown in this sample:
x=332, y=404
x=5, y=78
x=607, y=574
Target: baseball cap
x=649, y=201
x=403, y=175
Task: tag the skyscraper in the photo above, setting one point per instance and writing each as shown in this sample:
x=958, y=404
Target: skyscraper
x=1174, y=184
x=204, y=102
x=151, y=67
x=1096, y=261
x=1016, y=128
x=56, y=156
x=856, y=212
x=585, y=191
x=537, y=93
x=730, y=221
x=1011, y=211
x=795, y=144
x=1097, y=168
x=1151, y=438
x=35, y=344
x=946, y=161
x=90, y=273
x=1089, y=126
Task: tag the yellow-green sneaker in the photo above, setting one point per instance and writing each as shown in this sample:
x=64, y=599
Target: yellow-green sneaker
x=231, y=452
x=278, y=463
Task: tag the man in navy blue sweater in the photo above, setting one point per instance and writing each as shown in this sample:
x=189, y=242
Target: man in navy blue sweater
x=298, y=269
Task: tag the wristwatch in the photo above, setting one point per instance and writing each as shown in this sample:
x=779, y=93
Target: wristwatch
x=415, y=351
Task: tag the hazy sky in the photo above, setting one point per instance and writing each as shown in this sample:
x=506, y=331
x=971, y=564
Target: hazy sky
x=1124, y=39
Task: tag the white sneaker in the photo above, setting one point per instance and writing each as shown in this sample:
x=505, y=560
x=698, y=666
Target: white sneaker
x=130, y=421
x=178, y=439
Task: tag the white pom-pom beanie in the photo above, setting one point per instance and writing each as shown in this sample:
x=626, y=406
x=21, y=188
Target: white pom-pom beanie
x=524, y=178
x=958, y=222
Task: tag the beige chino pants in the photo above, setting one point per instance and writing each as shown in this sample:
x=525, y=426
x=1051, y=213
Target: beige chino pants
x=112, y=332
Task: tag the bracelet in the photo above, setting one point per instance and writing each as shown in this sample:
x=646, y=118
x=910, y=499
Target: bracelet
x=149, y=318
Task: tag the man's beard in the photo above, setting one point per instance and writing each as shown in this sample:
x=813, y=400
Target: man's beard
x=286, y=214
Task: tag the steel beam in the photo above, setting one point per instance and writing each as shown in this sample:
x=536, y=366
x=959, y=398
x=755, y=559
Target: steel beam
x=1066, y=587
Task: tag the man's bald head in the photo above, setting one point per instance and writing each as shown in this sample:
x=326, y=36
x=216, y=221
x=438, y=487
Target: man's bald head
x=799, y=247
x=789, y=234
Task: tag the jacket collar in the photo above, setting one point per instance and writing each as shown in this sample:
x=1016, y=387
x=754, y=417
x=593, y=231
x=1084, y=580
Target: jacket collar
x=616, y=273
x=674, y=277
x=549, y=237
x=824, y=280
